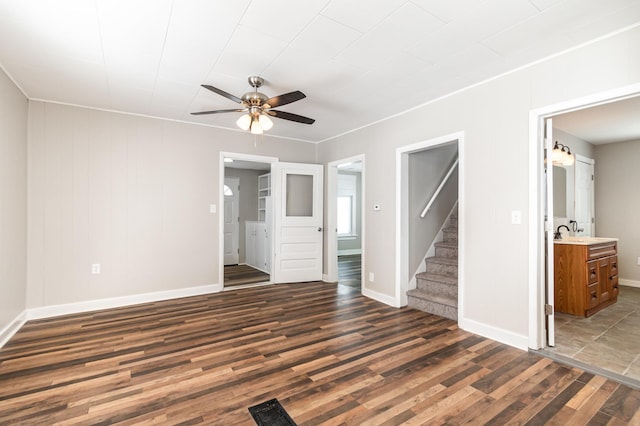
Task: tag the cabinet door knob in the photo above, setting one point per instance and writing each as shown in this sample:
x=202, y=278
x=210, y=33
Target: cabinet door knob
x=319, y=229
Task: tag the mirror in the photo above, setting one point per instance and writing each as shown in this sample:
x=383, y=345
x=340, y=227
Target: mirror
x=559, y=191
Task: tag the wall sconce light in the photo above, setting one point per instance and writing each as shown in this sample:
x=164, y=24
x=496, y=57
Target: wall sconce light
x=561, y=155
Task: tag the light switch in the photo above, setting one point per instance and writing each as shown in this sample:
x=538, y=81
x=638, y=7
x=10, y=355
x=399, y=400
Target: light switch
x=95, y=268
x=212, y=208
x=516, y=217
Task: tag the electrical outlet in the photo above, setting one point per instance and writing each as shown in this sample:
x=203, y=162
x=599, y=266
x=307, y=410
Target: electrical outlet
x=371, y=276
x=638, y=260
x=95, y=268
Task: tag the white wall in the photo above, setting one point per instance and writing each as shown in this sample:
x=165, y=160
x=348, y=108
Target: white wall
x=426, y=170
x=13, y=204
x=495, y=119
x=618, y=203
x=130, y=193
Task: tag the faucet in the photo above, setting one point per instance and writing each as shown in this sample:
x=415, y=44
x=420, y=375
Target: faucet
x=558, y=235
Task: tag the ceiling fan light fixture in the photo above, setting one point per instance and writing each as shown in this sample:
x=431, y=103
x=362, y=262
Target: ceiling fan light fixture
x=244, y=122
x=265, y=122
x=256, y=128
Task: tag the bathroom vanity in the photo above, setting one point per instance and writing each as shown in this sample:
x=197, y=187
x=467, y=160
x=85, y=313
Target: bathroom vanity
x=586, y=274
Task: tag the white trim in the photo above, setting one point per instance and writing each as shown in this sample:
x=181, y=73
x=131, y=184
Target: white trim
x=331, y=221
x=221, y=175
x=629, y=283
x=499, y=334
x=12, y=328
x=347, y=252
x=536, y=231
x=116, y=302
x=380, y=297
x=402, y=231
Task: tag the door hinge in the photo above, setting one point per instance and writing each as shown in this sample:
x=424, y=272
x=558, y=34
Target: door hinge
x=548, y=309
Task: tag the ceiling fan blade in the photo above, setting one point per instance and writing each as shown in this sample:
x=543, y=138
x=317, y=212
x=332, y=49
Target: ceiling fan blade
x=223, y=93
x=287, y=98
x=291, y=117
x=218, y=111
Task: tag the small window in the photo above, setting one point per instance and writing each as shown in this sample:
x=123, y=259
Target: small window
x=345, y=214
x=227, y=191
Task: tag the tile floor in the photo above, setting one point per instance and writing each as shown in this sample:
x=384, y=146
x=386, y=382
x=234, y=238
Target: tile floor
x=609, y=339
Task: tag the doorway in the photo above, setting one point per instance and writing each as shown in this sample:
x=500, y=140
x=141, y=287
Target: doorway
x=591, y=343
x=422, y=214
x=246, y=221
x=345, y=222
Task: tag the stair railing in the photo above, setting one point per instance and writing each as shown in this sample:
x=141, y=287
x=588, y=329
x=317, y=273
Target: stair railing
x=435, y=194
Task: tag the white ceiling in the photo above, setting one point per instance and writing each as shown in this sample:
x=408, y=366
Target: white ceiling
x=358, y=62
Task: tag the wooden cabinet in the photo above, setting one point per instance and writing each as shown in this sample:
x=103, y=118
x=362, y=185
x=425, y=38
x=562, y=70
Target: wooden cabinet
x=586, y=277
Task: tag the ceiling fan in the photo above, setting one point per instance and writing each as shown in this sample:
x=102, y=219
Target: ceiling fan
x=258, y=107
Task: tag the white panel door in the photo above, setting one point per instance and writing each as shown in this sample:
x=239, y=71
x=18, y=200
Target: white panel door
x=231, y=224
x=297, y=216
x=550, y=278
x=584, y=200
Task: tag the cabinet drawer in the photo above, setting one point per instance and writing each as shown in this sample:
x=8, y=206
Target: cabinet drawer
x=614, y=286
x=613, y=266
x=592, y=296
x=602, y=250
x=592, y=272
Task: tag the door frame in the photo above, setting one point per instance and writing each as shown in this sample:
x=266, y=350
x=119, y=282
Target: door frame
x=537, y=283
x=331, y=215
x=402, y=211
x=221, y=174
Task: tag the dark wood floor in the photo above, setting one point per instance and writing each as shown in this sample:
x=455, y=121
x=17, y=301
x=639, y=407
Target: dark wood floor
x=330, y=356
x=350, y=270
x=236, y=275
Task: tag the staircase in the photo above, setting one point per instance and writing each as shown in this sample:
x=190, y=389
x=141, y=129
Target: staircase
x=437, y=287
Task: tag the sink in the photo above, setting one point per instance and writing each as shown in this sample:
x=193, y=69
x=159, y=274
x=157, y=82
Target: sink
x=584, y=240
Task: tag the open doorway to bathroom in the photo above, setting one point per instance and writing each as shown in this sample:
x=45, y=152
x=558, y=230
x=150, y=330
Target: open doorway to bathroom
x=590, y=207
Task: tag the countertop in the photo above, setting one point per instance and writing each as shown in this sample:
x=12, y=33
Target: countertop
x=584, y=241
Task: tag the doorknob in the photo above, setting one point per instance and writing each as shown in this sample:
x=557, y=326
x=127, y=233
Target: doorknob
x=319, y=229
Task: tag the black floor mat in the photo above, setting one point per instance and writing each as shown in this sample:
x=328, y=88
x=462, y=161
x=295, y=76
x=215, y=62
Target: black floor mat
x=271, y=413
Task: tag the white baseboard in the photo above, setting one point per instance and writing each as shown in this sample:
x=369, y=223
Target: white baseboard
x=380, y=297
x=12, y=328
x=347, y=252
x=116, y=302
x=503, y=336
x=629, y=283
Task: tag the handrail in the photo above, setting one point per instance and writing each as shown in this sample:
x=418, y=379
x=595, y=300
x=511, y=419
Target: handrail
x=435, y=194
